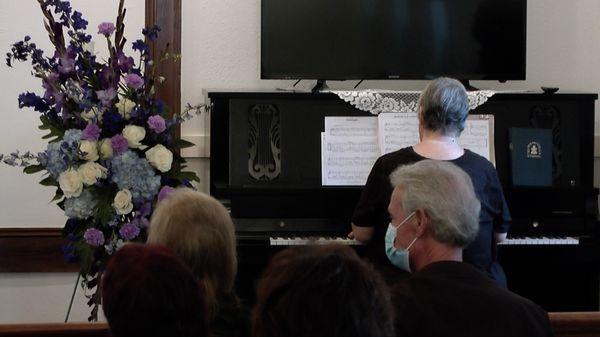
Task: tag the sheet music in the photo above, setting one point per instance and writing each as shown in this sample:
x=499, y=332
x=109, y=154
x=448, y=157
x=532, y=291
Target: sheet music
x=397, y=130
x=349, y=149
x=478, y=136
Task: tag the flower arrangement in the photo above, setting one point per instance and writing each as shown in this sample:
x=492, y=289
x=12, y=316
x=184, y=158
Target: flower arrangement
x=111, y=154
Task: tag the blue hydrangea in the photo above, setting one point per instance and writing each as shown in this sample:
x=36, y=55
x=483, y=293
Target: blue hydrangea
x=60, y=155
x=81, y=207
x=131, y=172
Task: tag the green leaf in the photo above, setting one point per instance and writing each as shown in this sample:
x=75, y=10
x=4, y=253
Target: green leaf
x=182, y=144
x=59, y=195
x=186, y=175
x=33, y=169
x=56, y=131
x=49, y=181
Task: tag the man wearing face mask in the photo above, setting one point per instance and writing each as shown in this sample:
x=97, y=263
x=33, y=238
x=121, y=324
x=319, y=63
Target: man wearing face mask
x=435, y=214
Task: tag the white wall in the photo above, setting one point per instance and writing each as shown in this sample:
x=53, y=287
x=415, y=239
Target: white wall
x=40, y=297
x=220, y=49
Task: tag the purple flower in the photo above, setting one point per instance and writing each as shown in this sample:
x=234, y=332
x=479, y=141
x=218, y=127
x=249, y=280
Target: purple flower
x=165, y=192
x=106, y=96
x=106, y=28
x=157, y=123
x=151, y=32
x=145, y=209
x=140, y=46
x=91, y=132
x=78, y=21
x=119, y=144
x=67, y=61
x=134, y=81
x=129, y=231
x=94, y=237
x=144, y=223
x=125, y=63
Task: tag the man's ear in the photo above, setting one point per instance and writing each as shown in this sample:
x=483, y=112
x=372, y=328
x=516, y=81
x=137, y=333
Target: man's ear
x=423, y=221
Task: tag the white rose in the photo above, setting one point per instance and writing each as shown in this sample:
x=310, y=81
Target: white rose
x=160, y=157
x=90, y=172
x=125, y=106
x=90, y=148
x=70, y=183
x=134, y=135
x=122, y=202
x=106, y=150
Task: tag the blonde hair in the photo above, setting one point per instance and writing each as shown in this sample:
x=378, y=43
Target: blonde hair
x=199, y=229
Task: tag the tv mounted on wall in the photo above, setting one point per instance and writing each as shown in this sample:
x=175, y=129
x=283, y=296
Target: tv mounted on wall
x=393, y=39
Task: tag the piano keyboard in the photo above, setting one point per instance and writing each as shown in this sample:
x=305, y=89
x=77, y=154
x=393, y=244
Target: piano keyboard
x=540, y=241
x=312, y=240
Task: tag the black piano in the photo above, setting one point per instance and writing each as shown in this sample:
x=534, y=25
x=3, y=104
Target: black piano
x=266, y=167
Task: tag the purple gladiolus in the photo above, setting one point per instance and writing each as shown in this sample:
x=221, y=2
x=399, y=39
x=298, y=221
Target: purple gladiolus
x=165, y=192
x=134, y=81
x=93, y=237
x=129, y=231
x=157, y=124
x=106, y=96
x=91, y=132
x=119, y=144
x=106, y=28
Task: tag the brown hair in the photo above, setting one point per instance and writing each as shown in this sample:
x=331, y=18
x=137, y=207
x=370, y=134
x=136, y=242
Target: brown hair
x=321, y=291
x=148, y=291
x=199, y=229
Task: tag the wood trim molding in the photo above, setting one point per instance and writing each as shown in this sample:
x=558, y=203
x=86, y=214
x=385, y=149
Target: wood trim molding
x=26, y=250
x=167, y=15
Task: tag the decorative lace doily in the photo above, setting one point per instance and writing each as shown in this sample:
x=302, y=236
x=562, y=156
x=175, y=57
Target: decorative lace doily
x=376, y=101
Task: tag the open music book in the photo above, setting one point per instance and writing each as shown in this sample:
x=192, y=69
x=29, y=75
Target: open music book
x=350, y=145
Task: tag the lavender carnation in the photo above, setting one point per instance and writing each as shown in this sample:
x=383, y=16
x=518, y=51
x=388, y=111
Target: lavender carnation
x=106, y=28
x=135, y=174
x=81, y=207
x=94, y=237
x=129, y=231
x=91, y=132
x=157, y=123
x=119, y=144
x=134, y=81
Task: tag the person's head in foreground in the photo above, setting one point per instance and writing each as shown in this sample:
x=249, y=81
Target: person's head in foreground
x=443, y=107
x=434, y=214
x=321, y=291
x=199, y=229
x=148, y=291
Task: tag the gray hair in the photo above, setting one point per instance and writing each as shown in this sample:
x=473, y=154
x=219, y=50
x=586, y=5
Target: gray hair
x=444, y=106
x=446, y=193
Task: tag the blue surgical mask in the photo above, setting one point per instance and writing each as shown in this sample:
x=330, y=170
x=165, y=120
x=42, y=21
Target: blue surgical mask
x=398, y=257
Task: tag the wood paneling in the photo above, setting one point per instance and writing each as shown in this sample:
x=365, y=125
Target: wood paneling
x=25, y=250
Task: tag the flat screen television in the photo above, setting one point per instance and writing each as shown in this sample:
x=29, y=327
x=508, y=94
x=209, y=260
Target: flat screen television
x=393, y=39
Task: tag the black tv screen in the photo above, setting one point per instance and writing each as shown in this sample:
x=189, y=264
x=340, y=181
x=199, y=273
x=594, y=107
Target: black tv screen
x=393, y=39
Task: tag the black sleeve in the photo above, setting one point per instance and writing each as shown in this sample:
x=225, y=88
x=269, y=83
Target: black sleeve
x=369, y=206
x=502, y=218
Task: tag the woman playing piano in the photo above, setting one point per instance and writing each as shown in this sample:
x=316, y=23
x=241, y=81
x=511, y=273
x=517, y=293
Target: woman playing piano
x=443, y=110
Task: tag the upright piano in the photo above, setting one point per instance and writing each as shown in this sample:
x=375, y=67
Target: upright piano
x=265, y=167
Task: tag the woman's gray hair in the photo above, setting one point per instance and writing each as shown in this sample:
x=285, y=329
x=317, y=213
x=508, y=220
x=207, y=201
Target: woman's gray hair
x=444, y=106
x=446, y=193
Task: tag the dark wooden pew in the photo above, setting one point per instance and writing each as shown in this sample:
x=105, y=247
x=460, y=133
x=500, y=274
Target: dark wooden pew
x=575, y=324
x=55, y=330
